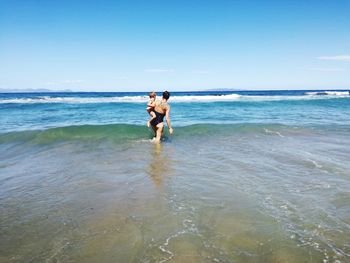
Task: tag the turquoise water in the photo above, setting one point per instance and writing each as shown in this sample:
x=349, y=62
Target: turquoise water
x=42, y=111
x=259, y=176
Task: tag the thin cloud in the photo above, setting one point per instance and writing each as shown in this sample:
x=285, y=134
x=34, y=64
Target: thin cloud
x=204, y=72
x=158, y=70
x=336, y=58
x=61, y=82
x=324, y=69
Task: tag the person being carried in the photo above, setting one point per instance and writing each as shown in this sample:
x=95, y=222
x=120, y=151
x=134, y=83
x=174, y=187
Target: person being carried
x=150, y=107
x=161, y=110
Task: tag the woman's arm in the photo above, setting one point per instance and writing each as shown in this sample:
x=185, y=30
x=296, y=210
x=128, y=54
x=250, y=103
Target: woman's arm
x=167, y=118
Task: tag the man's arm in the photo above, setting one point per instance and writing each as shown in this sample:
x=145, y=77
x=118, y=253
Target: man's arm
x=167, y=118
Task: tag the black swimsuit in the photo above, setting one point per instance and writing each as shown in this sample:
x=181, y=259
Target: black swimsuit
x=158, y=119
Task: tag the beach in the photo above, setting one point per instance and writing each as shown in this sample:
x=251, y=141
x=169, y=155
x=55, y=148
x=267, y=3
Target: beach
x=247, y=176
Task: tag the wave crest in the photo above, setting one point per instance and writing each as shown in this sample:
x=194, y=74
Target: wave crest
x=329, y=93
x=176, y=98
x=117, y=133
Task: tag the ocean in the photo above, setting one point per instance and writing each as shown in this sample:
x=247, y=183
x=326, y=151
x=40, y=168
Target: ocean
x=247, y=176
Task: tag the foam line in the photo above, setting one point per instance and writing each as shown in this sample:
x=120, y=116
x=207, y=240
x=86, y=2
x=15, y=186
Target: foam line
x=190, y=98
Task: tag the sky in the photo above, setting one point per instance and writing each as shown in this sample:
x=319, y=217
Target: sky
x=174, y=45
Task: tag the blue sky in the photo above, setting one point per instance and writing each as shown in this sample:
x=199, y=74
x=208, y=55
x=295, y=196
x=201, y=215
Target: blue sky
x=174, y=45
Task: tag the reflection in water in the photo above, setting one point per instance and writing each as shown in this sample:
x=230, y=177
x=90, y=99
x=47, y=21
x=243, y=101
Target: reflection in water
x=160, y=165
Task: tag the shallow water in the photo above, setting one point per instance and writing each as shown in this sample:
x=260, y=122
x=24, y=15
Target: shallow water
x=264, y=193
x=254, y=176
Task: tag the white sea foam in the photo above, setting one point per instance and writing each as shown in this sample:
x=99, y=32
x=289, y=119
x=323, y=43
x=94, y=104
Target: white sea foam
x=76, y=100
x=130, y=99
x=188, y=98
x=206, y=98
x=273, y=132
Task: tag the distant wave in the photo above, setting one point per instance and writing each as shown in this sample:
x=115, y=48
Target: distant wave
x=117, y=99
x=330, y=93
x=188, y=98
x=75, y=100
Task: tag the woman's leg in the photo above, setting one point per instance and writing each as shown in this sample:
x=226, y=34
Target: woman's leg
x=159, y=131
x=154, y=128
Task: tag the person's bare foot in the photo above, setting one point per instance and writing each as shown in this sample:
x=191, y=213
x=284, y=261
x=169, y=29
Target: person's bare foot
x=155, y=140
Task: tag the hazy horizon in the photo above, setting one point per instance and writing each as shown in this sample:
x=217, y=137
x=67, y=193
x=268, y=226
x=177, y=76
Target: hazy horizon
x=158, y=91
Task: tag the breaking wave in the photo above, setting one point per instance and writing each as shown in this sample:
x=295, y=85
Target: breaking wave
x=183, y=98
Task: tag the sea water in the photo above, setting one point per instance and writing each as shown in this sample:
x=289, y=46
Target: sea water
x=249, y=176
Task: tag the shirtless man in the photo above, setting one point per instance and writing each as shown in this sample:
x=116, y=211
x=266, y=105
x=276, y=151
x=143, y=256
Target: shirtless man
x=161, y=109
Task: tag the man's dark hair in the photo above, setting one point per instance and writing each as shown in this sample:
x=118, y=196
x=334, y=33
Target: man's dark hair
x=166, y=95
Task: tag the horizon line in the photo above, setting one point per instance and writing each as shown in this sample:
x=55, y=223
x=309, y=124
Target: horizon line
x=4, y=91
